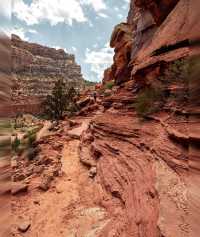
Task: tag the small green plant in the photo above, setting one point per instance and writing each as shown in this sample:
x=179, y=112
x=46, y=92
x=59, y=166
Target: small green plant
x=15, y=144
x=148, y=101
x=31, y=136
x=109, y=85
x=178, y=71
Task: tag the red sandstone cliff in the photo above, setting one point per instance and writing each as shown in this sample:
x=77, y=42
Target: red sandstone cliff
x=36, y=68
x=149, y=33
x=32, y=61
x=148, y=169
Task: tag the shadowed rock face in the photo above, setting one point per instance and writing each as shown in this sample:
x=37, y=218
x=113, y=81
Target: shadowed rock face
x=5, y=62
x=5, y=73
x=36, y=68
x=153, y=35
x=158, y=9
x=121, y=41
x=149, y=169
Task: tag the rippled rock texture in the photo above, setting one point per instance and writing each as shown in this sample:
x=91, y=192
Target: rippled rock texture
x=148, y=171
x=148, y=167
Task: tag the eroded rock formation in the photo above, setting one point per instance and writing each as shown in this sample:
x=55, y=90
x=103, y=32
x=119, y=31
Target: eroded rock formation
x=5, y=73
x=36, y=68
x=149, y=168
x=149, y=33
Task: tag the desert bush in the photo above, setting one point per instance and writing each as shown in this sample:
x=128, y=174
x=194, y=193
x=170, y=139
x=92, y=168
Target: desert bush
x=31, y=138
x=194, y=80
x=148, y=101
x=109, y=85
x=61, y=100
x=179, y=84
x=15, y=144
x=177, y=71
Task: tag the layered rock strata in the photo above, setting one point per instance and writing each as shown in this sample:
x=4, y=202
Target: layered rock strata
x=154, y=32
x=148, y=167
x=5, y=73
x=36, y=68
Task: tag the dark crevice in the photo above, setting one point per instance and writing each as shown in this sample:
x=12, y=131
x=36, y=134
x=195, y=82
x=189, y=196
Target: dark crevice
x=167, y=48
x=178, y=45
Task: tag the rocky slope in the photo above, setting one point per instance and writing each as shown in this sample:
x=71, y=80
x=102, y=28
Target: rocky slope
x=36, y=68
x=141, y=147
x=52, y=194
x=148, y=167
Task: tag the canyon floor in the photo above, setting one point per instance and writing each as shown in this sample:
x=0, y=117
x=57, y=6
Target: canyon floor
x=69, y=208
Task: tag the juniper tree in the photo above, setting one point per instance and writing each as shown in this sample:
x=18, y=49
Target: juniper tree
x=61, y=100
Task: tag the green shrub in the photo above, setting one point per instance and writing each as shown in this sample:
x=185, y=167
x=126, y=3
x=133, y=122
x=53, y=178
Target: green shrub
x=15, y=144
x=148, y=101
x=62, y=98
x=31, y=136
x=109, y=85
x=178, y=71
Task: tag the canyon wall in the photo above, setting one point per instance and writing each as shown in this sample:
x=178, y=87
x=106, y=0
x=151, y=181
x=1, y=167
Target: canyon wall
x=149, y=33
x=5, y=73
x=36, y=68
x=148, y=166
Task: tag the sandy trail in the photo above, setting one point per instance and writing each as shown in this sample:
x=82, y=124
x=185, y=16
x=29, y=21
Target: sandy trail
x=68, y=209
x=44, y=131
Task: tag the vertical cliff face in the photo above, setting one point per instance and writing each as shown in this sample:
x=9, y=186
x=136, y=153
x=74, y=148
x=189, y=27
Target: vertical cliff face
x=5, y=74
x=36, y=68
x=148, y=168
x=153, y=29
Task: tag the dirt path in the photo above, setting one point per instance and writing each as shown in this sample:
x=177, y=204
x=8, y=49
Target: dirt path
x=44, y=131
x=68, y=208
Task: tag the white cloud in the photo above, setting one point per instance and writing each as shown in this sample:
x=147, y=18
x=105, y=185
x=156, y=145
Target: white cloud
x=120, y=15
x=32, y=31
x=74, y=49
x=17, y=31
x=101, y=14
x=47, y=10
x=91, y=24
x=95, y=45
x=99, y=60
x=5, y=8
x=98, y=5
x=21, y=32
x=55, y=11
x=126, y=5
x=116, y=9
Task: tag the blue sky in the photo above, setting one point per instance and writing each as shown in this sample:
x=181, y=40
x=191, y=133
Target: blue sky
x=81, y=27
